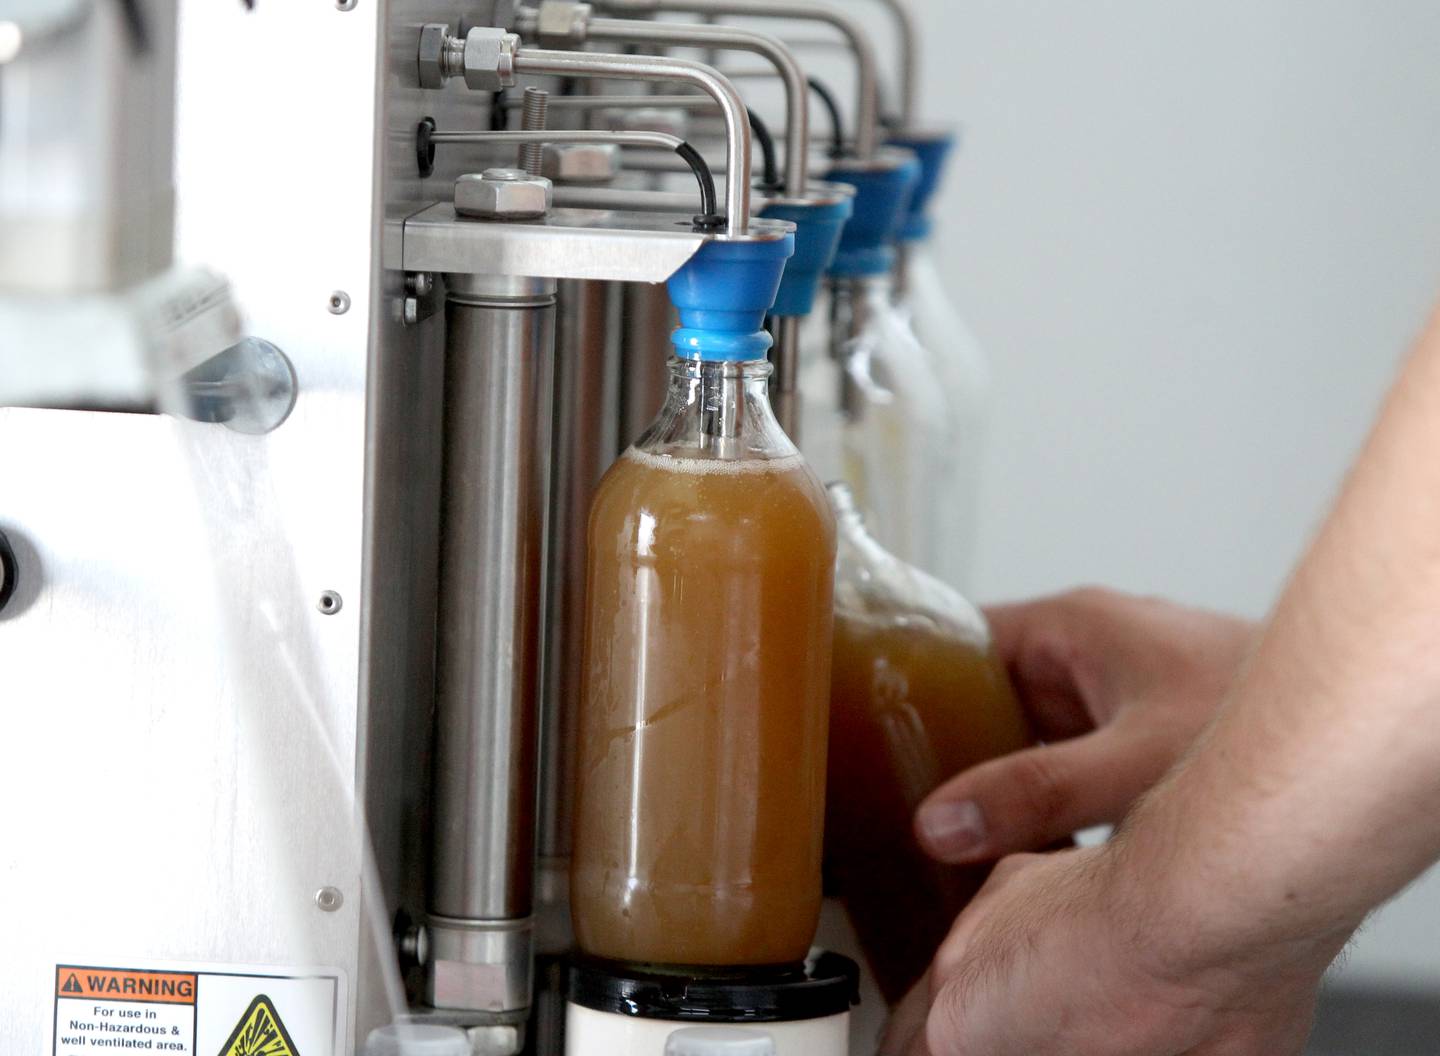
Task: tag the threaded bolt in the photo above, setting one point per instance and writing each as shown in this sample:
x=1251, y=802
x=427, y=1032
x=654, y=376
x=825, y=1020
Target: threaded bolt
x=532, y=119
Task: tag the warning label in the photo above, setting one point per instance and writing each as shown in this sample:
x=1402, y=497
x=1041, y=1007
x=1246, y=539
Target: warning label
x=195, y=1010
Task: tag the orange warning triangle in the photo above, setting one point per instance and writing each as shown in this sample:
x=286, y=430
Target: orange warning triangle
x=260, y=1032
x=72, y=985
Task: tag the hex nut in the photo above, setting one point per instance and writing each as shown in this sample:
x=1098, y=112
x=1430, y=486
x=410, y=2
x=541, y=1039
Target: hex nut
x=502, y=194
x=432, y=51
x=490, y=59
x=581, y=162
x=562, y=23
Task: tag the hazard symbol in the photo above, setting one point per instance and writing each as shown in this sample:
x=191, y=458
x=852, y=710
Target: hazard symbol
x=72, y=985
x=260, y=1032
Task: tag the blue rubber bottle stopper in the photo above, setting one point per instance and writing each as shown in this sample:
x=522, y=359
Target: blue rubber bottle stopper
x=933, y=149
x=723, y=294
x=882, y=194
x=818, y=226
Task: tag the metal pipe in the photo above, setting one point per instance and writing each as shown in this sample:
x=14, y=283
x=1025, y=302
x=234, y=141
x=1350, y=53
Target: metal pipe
x=624, y=102
x=797, y=105
x=653, y=140
x=636, y=200
x=784, y=381
x=587, y=410
x=907, y=29
x=663, y=68
x=499, y=362
x=648, y=319
x=867, y=94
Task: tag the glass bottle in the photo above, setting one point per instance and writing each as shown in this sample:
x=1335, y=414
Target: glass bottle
x=959, y=363
x=917, y=695
x=894, y=433
x=700, y=796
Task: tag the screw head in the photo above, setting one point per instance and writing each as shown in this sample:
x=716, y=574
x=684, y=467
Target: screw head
x=329, y=899
x=339, y=302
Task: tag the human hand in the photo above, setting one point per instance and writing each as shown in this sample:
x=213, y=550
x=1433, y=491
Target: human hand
x=1066, y=955
x=1118, y=686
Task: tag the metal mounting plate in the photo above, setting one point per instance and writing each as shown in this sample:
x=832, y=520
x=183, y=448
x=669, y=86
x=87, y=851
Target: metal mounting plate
x=567, y=244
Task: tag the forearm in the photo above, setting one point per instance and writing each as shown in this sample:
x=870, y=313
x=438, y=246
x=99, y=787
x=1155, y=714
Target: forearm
x=1316, y=793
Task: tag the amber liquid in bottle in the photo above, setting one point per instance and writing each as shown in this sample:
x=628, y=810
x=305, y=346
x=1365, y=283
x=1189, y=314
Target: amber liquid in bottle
x=700, y=796
x=914, y=701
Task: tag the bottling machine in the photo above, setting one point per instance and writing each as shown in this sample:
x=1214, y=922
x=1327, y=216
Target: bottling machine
x=290, y=666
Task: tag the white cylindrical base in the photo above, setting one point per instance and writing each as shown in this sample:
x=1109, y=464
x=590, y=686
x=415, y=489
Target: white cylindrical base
x=592, y=1033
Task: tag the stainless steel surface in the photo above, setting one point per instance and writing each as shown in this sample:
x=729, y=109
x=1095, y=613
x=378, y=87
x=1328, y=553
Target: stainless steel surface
x=566, y=244
x=583, y=163
x=498, y=391
x=430, y=58
x=784, y=382
x=861, y=46
x=648, y=319
x=718, y=38
x=660, y=68
x=488, y=60
x=502, y=194
x=479, y=967
x=586, y=430
x=532, y=119
x=555, y=23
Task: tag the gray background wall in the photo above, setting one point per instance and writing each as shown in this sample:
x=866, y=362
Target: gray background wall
x=1195, y=240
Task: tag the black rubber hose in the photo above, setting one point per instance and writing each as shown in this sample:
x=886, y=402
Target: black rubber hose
x=837, y=122
x=708, y=219
x=770, y=169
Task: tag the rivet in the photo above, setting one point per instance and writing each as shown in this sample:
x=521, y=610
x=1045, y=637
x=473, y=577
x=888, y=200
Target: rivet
x=329, y=603
x=329, y=899
x=339, y=302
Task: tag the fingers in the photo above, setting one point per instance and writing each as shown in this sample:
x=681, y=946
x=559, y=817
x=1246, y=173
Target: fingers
x=1058, y=651
x=1031, y=799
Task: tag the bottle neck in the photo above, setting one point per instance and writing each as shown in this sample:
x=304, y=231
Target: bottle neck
x=717, y=409
x=854, y=305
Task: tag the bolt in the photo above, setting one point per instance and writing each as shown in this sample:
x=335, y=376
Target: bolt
x=339, y=302
x=329, y=899
x=414, y=946
x=329, y=603
x=532, y=119
x=419, y=283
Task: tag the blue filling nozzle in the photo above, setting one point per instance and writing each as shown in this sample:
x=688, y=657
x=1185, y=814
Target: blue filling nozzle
x=933, y=151
x=818, y=226
x=882, y=195
x=723, y=294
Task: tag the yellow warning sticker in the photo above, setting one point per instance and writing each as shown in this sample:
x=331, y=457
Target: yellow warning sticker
x=260, y=1032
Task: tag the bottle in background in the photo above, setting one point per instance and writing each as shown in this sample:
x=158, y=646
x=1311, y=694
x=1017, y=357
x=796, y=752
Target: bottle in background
x=917, y=695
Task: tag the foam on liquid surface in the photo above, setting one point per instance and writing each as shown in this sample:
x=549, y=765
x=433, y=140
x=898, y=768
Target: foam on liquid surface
x=713, y=466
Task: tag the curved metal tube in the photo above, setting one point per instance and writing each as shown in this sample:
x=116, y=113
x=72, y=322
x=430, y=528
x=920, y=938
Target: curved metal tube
x=866, y=105
x=656, y=140
x=660, y=68
x=907, y=29
x=797, y=108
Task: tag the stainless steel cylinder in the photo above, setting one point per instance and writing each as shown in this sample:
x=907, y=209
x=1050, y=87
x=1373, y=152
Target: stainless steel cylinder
x=648, y=319
x=586, y=438
x=498, y=392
